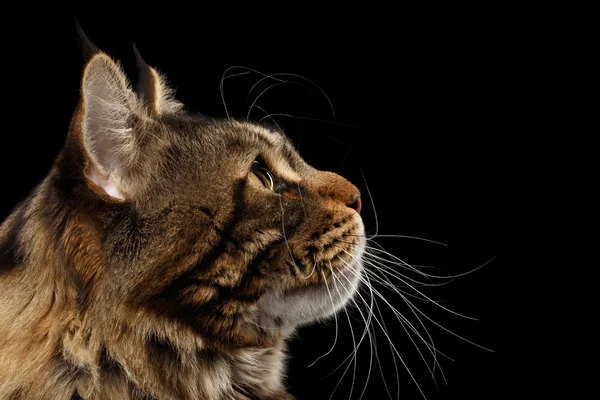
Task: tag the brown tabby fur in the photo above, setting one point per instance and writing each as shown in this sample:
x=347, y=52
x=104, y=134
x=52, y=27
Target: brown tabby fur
x=168, y=293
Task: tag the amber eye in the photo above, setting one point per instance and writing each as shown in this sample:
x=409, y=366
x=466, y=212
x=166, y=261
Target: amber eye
x=259, y=175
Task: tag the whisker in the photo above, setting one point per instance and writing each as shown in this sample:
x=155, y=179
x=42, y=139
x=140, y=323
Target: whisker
x=413, y=267
x=300, y=77
x=317, y=120
x=399, y=315
x=464, y=273
x=351, y=353
x=403, y=320
x=395, y=288
x=336, y=325
x=393, y=273
x=408, y=237
x=395, y=351
x=387, y=271
x=431, y=300
x=430, y=345
x=393, y=360
x=373, y=349
x=284, y=235
x=353, y=342
x=366, y=321
x=373, y=259
x=275, y=122
x=394, y=259
x=346, y=155
x=258, y=82
x=372, y=203
x=401, y=263
x=222, y=89
x=447, y=330
x=260, y=95
x=223, y=77
x=386, y=236
x=374, y=345
x=311, y=272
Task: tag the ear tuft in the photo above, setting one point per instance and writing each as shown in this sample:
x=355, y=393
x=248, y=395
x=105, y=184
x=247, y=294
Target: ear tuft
x=152, y=88
x=88, y=49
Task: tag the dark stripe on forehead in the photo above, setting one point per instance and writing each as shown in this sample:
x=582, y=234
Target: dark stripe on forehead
x=269, y=140
x=291, y=155
x=265, y=136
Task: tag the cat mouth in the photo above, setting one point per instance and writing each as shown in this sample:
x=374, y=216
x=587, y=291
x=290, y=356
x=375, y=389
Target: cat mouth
x=331, y=282
x=338, y=283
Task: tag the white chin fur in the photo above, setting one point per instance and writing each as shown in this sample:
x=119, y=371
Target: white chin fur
x=317, y=302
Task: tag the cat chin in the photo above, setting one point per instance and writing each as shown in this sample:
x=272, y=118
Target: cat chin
x=293, y=309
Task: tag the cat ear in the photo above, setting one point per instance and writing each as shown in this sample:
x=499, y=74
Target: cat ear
x=152, y=88
x=108, y=135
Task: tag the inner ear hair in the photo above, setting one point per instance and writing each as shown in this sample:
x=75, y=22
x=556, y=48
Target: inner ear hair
x=108, y=134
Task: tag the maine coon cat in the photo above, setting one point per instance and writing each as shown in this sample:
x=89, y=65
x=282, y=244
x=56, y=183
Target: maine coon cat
x=168, y=255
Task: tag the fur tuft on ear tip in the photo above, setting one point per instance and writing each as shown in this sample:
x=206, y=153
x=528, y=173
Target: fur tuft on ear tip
x=153, y=89
x=145, y=88
x=141, y=63
x=88, y=49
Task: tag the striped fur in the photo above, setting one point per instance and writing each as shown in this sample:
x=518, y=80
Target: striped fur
x=147, y=266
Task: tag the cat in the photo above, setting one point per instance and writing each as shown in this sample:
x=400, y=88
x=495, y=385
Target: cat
x=167, y=254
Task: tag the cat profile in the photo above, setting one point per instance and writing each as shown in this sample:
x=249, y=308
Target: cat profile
x=167, y=254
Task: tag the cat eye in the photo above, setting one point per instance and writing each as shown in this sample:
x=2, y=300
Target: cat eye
x=261, y=176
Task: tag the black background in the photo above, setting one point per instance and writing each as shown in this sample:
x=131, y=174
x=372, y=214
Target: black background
x=427, y=113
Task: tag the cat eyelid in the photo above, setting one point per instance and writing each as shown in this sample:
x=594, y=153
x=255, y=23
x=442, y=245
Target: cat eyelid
x=261, y=163
x=263, y=173
x=280, y=169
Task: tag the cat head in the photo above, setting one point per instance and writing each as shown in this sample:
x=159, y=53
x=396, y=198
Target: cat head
x=216, y=225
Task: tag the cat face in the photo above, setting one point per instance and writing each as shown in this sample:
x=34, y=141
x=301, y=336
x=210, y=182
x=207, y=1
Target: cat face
x=217, y=225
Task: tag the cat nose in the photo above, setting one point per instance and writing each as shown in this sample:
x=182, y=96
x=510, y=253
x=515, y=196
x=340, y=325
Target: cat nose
x=334, y=187
x=355, y=202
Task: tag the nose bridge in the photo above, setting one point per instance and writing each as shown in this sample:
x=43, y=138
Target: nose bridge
x=333, y=186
